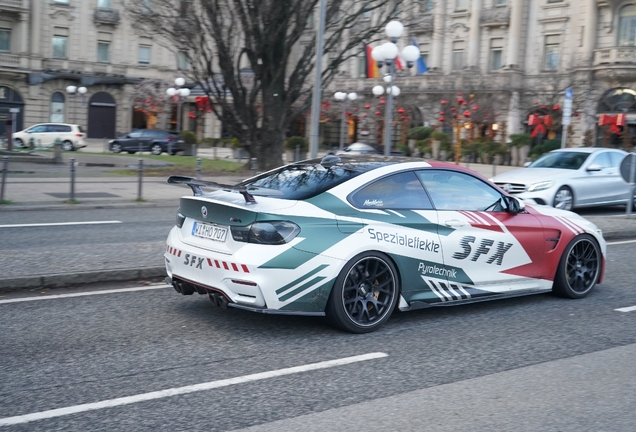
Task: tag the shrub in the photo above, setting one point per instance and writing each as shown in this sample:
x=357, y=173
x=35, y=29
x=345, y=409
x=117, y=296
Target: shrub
x=520, y=140
x=406, y=150
x=235, y=143
x=547, y=146
x=439, y=136
x=419, y=133
x=189, y=137
x=292, y=142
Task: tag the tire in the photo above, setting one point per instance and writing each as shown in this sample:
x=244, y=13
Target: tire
x=364, y=293
x=18, y=142
x=156, y=149
x=68, y=146
x=115, y=147
x=579, y=268
x=564, y=199
x=131, y=152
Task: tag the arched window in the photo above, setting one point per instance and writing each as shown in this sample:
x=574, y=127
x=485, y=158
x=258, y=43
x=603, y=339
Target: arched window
x=620, y=100
x=627, y=26
x=57, y=108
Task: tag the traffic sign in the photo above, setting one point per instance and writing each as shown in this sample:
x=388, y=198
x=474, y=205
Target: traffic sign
x=628, y=168
x=569, y=93
x=14, y=110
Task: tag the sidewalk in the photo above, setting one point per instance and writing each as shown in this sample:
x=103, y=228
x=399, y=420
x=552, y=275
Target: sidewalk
x=45, y=186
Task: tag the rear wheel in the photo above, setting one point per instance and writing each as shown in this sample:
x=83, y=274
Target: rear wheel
x=564, y=199
x=364, y=293
x=579, y=268
x=115, y=148
x=67, y=146
x=156, y=149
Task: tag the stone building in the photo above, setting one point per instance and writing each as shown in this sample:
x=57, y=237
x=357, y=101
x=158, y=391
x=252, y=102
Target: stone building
x=48, y=45
x=519, y=56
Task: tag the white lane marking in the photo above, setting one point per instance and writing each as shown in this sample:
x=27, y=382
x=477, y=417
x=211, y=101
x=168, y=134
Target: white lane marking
x=626, y=309
x=60, y=224
x=82, y=294
x=621, y=242
x=110, y=403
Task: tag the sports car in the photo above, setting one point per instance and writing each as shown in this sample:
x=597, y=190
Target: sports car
x=355, y=238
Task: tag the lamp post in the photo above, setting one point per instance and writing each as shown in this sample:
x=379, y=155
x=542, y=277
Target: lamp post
x=386, y=54
x=344, y=98
x=180, y=92
x=73, y=91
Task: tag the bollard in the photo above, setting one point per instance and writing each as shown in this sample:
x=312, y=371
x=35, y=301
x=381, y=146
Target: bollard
x=198, y=168
x=254, y=166
x=105, y=145
x=5, y=170
x=297, y=154
x=141, y=176
x=72, y=198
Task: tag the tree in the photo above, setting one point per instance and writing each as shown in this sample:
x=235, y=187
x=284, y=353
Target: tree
x=149, y=97
x=255, y=58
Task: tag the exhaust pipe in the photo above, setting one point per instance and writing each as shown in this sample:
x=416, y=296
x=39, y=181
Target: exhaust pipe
x=213, y=299
x=177, y=286
x=222, y=301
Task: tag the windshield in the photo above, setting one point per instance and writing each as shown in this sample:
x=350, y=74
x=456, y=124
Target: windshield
x=561, y=160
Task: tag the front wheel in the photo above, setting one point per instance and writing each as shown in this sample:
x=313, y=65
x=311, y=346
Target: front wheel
x=579, y=268
x=115, y=148
x=364, y=293
x=18, y=142
x=155, y=149
x=564, y=199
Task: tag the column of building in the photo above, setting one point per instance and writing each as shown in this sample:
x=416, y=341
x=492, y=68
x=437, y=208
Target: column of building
x=475, y=31
x=36, y=25
x=439, y=27
x=514, y=35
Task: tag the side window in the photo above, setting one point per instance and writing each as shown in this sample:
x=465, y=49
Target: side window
x=399, y=191
x=147, y=134
x=38, y=129
x=451, y=190
x=51, y=128
x=134, y=134
x=616, y=158
x=602, y=160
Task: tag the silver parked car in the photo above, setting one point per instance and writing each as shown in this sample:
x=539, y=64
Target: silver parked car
x=571, y=177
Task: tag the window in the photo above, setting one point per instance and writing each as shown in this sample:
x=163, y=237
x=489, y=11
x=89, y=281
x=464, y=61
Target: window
x=616, y=158
x=183, y=61
x=627, y=26
x=59, y=46
x=144, y=55
x=310, y=21
x=399, y=191
x=64, y=2
x=496, y=54
x=602, y=160
x=105, y=4
x=552, y=50
x=366, y=13
x=426, y=6
x=458, y=55
x=57, y=108
x=461, y=5
x=57, y=128
x=451, y=190
x=146, y=6
x=362, y=66
x=37, y=129
x=5, y=40
x=500, y=2
x=103, y=52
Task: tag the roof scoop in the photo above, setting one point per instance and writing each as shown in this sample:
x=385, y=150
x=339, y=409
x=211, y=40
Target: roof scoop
x=330, y=160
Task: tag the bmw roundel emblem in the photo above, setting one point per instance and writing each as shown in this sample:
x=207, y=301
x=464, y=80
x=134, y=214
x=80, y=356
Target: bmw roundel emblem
x=204, y=211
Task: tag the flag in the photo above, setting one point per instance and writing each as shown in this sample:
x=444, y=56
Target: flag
x=421, y=65
x=398, y=62
x=372, y=66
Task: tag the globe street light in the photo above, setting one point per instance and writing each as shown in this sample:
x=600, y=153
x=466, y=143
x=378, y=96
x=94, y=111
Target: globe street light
x=179, y=93
x=386, y=54
x=73, y=91
x=344, y=98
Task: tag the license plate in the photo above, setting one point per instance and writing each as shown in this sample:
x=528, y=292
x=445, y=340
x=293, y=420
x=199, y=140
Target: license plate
x=210, y=232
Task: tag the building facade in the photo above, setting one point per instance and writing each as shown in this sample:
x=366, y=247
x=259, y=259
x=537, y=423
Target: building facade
x=49, y=45
x=519, y=56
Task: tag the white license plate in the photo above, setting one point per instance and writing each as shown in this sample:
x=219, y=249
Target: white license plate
x=210, y=232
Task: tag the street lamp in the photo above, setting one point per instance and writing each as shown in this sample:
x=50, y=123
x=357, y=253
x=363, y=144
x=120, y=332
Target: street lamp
x=344, y=98
x=386, y=54
x=73, y=91
x=180, y=93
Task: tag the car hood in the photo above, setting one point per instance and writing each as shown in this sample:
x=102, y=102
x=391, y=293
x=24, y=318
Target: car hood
x=532, y=175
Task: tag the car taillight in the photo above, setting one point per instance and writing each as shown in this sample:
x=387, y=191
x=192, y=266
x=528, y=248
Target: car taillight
x=266, y=233
x=169, y=139
x=79, y=135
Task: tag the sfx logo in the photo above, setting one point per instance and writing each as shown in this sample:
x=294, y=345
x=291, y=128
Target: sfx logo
x=192, y=260
x=483, y=249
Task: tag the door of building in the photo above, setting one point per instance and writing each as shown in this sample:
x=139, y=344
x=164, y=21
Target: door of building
x=102, y=116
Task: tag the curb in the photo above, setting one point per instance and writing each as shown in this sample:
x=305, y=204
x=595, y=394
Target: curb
x=70, y=279
x=91, y=206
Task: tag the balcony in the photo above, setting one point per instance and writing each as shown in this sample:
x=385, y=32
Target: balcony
x=9, y=60
x=71, y=66
x=615, y=55
x=615, y=64
x=12, y=5
x=495, y=17
x=106, y=16
x=425, y=24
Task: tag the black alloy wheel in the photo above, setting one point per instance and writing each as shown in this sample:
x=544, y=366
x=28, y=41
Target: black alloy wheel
x=364, y=293
x=579, y=268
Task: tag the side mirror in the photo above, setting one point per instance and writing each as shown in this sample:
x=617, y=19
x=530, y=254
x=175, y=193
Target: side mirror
x=513, y=205
x=593, y=168
x=527, y=164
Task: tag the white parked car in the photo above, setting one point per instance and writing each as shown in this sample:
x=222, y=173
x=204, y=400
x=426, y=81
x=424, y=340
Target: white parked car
x=569, y=178
x=45, y=134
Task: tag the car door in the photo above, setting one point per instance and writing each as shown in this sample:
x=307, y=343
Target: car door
x=37, y=134
x=396, y=216
x=146, y=139
x=602, y=181
x=487, y=251
x=131, y=141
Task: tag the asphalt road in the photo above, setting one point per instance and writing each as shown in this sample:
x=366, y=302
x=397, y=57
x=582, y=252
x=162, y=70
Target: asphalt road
x=137, y=241
x=536, y=363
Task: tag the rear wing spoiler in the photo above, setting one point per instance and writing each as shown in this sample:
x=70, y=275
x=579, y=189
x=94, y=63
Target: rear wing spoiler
x=248, y=192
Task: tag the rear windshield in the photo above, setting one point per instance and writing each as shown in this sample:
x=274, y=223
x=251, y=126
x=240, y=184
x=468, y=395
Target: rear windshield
x=561, y=160
x=299, y=182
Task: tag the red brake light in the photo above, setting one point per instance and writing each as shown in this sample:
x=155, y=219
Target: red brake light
x=79, y=135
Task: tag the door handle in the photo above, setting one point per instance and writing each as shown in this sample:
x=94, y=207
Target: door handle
x=454, y=223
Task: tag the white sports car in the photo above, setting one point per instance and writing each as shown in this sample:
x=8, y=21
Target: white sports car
x=353, y=238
